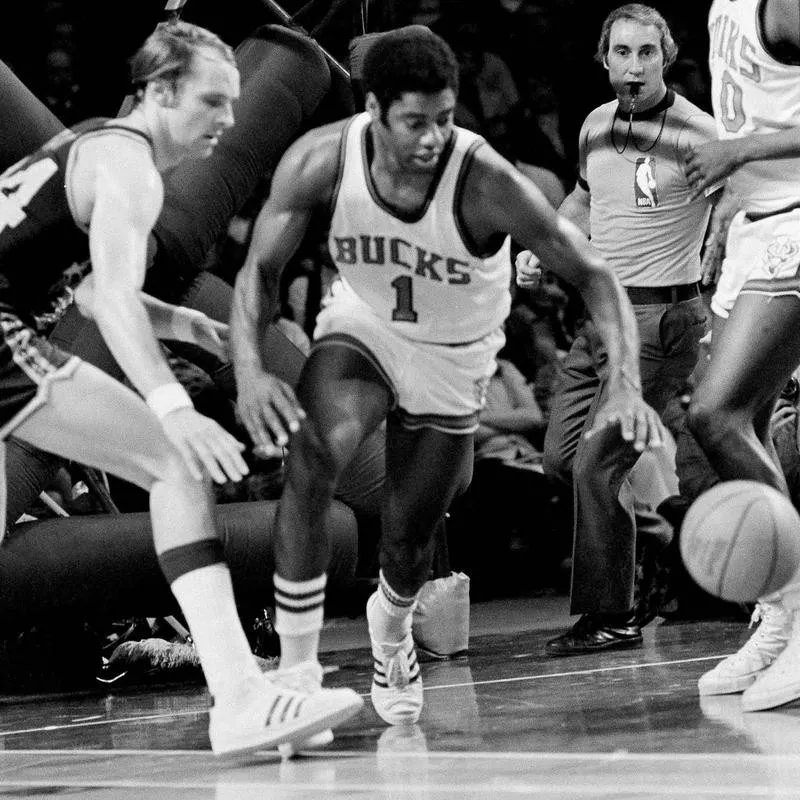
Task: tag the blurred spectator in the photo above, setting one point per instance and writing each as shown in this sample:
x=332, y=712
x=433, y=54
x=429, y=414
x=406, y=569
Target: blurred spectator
x=490, y=103
x=511, y=420
x=786, y=435
x=508, y=508
x=688, y=78
x=61, y=92
x=539, y=332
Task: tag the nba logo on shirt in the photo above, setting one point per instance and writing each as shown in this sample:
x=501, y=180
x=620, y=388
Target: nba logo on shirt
x=644, y=184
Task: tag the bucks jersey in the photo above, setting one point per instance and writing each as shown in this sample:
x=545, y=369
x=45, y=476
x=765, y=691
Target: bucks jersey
x=419, y=273
x=753, y=91
x=42, y=243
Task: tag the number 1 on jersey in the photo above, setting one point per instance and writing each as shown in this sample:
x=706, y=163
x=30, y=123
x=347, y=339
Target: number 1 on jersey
x=404, y=305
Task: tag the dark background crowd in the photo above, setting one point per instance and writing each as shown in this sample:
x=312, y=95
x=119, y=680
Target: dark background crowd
x=72, y=53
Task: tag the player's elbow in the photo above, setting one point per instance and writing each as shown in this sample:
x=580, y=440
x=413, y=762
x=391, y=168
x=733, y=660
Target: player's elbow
x=84, y=299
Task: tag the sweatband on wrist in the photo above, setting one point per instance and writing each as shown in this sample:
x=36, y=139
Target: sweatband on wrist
x=167, y=398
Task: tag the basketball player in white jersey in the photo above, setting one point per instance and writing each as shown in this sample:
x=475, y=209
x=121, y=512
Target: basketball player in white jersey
x=421, y=212
x=755, y=67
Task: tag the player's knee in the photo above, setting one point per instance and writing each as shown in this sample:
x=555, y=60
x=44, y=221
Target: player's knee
x=170, y=469
x=313, y=469
x=324, y=453
x=707, y=420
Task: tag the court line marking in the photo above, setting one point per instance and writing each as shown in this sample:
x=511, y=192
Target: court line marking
x=489, y=755
x=426, y=688
x=105, y=721
x=569, y=673
x=549, y=788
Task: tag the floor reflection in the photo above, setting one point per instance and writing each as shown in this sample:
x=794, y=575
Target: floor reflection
x=506, y=721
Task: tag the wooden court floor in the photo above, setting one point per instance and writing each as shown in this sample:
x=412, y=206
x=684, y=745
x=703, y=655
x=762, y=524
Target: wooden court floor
x=504, y=722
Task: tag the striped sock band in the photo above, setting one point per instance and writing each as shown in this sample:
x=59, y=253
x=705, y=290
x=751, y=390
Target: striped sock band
x=177, y=561
x=299, y=605
x=394, y=604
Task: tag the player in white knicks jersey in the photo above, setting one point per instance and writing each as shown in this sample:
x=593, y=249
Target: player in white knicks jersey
x=755, y=67
x=421, y=215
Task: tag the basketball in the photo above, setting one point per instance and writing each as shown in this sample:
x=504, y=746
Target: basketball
x=740, y=540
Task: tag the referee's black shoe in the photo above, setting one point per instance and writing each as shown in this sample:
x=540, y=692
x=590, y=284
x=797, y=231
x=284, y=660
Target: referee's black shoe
x=594, y=633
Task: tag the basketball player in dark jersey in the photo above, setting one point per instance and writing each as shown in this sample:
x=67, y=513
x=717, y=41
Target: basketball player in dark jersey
x=94, y=194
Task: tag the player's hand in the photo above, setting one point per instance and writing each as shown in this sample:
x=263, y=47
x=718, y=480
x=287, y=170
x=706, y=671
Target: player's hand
x=529, y=270
x=784, y=414
x=638, y=423
x=710, y=163
x=205, y=445
x=269, y=410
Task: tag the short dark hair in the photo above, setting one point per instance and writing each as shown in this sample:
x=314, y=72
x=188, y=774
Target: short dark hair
x=644, y=15
x=408, y=59
x=168, y=53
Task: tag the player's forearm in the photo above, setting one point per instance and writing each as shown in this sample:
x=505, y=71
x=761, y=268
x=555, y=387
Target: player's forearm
x=161, y=315
x=576, y=209
x=251, y=313
x=169, y=321
x=607, y=304
x=615, y=322
x=767, y=146
x=124, y=323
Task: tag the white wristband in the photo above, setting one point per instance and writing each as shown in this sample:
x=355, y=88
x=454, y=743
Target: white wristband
x=168, y=397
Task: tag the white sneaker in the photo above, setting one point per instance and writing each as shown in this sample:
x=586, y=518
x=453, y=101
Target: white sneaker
x=739, y=671
x=305, y=677
x=780, y=683
x=271, y=714
x=396, y=683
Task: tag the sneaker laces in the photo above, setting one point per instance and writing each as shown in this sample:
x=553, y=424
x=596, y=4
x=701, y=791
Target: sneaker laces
x=786, y=662
x=305, y=677
x=397, y=672
x=770, y=636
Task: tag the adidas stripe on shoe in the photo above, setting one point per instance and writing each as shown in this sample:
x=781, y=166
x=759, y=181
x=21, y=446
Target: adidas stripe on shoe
x=396, y=682
x=272, y=715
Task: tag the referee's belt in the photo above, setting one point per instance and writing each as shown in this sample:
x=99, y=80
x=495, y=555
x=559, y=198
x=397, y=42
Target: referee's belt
x=652, y=295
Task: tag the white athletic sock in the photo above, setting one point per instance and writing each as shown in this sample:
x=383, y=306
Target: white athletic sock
x=206, y=598
x=299, y=614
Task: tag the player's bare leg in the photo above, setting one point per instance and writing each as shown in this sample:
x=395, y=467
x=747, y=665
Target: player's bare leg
x=117, y=432
x=753, y=358
x=425, y=469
